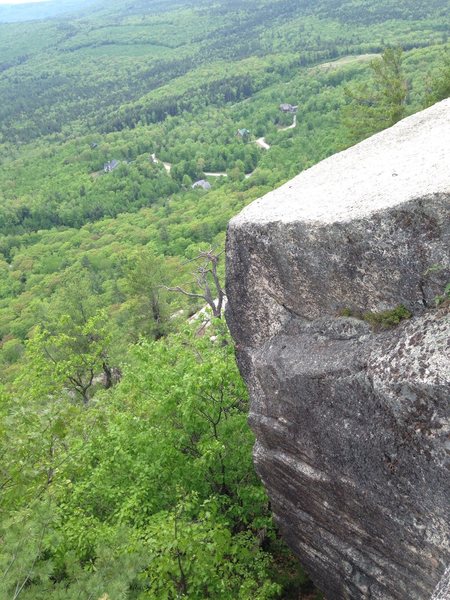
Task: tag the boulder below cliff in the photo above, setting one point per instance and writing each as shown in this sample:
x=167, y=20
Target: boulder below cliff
x=352, y=423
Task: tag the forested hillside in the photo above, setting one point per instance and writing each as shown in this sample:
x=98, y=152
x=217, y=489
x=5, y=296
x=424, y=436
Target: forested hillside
x=126, y=459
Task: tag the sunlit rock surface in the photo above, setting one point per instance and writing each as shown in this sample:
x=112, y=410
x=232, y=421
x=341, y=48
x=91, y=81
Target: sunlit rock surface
x=352, y=424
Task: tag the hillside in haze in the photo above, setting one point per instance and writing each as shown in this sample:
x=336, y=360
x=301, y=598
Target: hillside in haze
x=42, y=9
x=126, y=459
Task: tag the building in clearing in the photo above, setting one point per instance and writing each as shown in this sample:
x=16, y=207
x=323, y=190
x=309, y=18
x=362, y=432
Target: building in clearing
x=110, y=166
x=201, y=183
x=243, y=133
x=288, y=108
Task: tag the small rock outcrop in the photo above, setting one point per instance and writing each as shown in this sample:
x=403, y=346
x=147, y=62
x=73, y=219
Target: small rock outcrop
x=351, y=420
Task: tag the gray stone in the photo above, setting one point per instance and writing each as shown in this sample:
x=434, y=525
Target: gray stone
x=352, y=425
x=442, y=591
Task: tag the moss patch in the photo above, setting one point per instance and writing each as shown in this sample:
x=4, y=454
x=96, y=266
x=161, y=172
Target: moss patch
x=382, y=320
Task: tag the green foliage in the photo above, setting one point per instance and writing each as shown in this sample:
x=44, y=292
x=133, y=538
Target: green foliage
x=147, y=311
x=444, y=297
x=70, y=359
x=385, y=319
x=155, y=474
x=440, y=81
x=32, y=571
x=196, y=556
x=382, y=102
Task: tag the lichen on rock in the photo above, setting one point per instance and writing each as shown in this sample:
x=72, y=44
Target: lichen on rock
x=352, y=424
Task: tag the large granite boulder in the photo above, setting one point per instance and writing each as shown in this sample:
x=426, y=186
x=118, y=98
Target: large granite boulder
x=352, y=421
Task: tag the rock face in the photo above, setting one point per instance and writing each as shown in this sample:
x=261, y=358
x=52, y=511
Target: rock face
x=352, y=424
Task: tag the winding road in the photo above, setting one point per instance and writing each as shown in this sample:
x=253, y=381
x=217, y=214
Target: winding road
x=294, y=124
x=166, y=165
x=261, y=142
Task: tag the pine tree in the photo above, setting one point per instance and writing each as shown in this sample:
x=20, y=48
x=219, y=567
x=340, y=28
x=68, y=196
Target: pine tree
x=380, y=103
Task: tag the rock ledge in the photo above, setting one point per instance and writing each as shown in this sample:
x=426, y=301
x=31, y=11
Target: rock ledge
x=352, y=425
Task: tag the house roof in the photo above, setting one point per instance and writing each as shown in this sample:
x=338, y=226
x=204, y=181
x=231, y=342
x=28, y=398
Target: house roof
x=288, y=107
x=201, y=183
x=112, y=164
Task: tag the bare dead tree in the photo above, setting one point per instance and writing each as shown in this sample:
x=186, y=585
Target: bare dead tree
x=207, y=280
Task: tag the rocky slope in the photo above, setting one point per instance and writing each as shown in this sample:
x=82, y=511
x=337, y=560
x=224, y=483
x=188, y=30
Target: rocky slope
x=351, y=419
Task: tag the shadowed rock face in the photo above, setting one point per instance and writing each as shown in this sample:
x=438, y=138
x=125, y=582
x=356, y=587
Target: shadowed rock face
x=352, y=425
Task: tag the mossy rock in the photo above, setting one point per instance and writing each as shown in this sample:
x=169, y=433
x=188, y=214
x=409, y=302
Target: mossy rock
x=382, y=320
